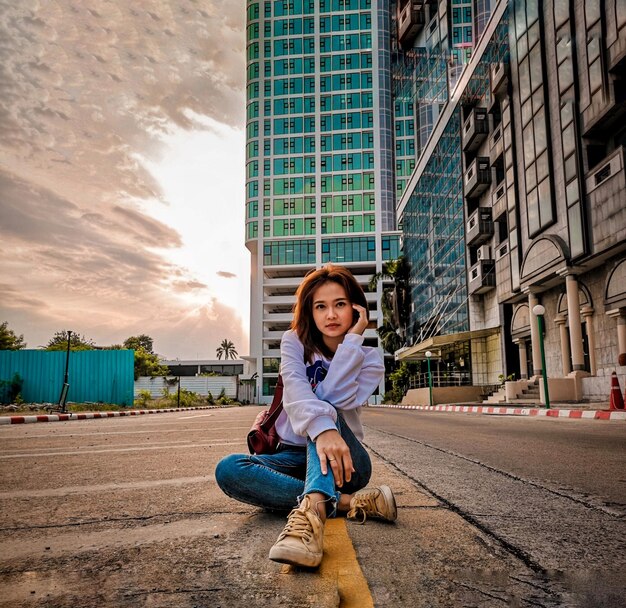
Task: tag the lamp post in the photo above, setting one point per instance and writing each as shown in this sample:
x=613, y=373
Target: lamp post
x=430, y=378
x=539, y=311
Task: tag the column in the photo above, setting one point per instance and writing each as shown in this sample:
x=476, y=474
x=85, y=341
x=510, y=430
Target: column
x=534, y=335
x=587, y=313
x=575, y=330
x=565, y=352
x=621, y=339
x=620, y=315
x=523, y=359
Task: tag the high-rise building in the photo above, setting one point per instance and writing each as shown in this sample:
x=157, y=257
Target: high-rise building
x=489, y=131
x=319, y=157
x=527, y=157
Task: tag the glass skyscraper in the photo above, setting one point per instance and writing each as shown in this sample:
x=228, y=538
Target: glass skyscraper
x=319, y=156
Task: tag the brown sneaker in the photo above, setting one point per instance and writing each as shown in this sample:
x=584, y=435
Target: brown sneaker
x=302, y=539
x=373, y=502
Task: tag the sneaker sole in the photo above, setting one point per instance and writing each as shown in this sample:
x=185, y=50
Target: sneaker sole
x=391, y=501
x=285, y=555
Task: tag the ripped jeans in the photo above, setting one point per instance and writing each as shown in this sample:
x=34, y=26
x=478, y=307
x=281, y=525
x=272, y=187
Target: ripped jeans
x=279, y=481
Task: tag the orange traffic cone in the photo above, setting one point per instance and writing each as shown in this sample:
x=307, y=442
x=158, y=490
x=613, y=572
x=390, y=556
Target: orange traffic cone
x=616, y=401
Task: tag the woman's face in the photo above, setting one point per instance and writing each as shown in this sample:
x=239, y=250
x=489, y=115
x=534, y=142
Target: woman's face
x=332, y=310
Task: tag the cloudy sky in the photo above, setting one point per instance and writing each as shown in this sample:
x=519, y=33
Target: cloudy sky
x=122, y=172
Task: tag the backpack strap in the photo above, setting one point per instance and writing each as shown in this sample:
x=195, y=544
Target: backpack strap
x=277, y=406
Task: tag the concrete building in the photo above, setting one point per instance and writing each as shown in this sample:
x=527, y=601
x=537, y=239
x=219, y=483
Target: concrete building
x=490, y=133
x=530, y=147
x=319, y=157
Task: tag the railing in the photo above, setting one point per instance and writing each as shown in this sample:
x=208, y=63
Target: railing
x=456, y=378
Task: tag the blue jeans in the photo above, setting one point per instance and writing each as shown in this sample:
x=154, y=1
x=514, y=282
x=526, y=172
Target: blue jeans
x=278, y=482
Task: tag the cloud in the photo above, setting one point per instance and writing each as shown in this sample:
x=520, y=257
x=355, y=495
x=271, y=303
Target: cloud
x=226, y=275
x=88, y=90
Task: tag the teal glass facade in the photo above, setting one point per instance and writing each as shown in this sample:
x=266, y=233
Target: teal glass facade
x=434, y=241
x=311, y=115
x=433, y=219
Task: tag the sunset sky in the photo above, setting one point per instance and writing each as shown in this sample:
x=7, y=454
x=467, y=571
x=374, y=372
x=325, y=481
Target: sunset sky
x=122, y=172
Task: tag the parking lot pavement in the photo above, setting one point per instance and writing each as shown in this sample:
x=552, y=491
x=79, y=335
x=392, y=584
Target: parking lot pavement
x=125, y=512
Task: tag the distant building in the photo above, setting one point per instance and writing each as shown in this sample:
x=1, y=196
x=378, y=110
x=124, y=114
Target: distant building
x=197, y=367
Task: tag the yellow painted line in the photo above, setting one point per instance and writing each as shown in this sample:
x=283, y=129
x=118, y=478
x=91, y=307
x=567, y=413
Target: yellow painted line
x=341, y=565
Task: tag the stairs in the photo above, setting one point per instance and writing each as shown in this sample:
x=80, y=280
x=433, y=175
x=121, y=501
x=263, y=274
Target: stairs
x=529, y=396
x=496, y=398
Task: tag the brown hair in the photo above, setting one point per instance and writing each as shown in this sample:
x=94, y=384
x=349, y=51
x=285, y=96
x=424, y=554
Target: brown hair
x=303, y=323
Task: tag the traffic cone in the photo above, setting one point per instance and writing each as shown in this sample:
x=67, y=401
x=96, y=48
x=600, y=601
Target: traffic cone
x=616, y=401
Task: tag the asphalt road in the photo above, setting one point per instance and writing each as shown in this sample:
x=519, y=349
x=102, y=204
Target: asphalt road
x=492, y=512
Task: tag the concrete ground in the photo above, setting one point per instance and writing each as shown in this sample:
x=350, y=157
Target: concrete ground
x=125, y=512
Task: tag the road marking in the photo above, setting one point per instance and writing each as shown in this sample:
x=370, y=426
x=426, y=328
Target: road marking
x=196, y=416
x=97, y=432
x=107, y=487
x=137, y=449
x=340, y=564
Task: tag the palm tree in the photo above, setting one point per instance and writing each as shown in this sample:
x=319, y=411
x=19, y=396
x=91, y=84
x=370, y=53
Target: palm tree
x=395, y=303
x=226, y=349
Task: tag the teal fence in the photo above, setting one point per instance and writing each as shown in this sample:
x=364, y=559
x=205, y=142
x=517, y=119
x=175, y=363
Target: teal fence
x=94, y=375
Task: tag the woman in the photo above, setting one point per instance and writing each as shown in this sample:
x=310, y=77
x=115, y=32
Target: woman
x=320, y=464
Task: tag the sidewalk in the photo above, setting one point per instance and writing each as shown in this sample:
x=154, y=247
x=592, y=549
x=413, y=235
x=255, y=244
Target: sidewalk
x=25, y=419
x=594, y=411
x=558, y=410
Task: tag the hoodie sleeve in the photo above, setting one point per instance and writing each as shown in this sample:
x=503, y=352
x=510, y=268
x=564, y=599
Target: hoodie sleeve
x=353, y=375
x=307, y=413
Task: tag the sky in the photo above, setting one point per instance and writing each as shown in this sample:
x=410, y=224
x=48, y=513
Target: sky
x=122, y=172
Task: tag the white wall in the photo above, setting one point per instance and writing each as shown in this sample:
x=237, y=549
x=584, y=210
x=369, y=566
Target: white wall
x=197, y=384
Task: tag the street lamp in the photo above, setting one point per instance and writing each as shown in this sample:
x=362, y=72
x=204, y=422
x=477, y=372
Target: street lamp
x=539, y=311
x=430, y=378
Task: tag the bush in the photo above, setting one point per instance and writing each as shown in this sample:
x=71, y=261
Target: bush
x=143, y=397
x=10, y=389
x=187, y=398
x=393, y=396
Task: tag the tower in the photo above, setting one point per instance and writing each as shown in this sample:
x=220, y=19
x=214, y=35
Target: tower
x=319, y=157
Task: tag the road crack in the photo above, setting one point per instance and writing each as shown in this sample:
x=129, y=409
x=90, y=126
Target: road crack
x=605, y=509
x=109, y=520
x=515, y=551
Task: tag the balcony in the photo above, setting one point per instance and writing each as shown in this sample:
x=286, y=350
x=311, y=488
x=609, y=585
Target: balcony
x=475, y=129
x=498, y=200
x=482, y=277
x=479, y=227
x=411, y=19
x=605, y=185
x=496, y=144
x=477, y=177
x=499, y=79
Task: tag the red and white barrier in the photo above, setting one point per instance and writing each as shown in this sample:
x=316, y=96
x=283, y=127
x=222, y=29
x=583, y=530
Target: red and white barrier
x=514, y=411
x=93, y=415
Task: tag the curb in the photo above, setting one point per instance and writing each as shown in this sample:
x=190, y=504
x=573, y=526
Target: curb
x=94, y=415
x=514, y=411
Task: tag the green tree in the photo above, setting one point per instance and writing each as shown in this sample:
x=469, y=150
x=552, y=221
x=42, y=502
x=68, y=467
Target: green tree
x=77, y=342
x=226, y=349
x=148, y=364
x=136, y=342
x=395, y=303
x=9, y=340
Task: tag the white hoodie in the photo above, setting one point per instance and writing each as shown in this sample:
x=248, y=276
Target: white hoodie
x=352, y=376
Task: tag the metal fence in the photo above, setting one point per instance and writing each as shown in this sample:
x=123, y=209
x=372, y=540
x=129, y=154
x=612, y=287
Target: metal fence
x=201, y=385
x=104, y=376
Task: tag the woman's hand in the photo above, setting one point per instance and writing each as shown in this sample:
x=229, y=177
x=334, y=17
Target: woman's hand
x=361, y=323
x=333, y=450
